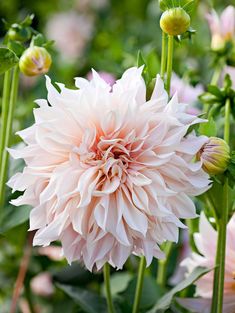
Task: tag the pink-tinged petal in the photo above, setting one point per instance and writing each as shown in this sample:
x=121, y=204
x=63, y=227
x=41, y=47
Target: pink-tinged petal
x=214, y=22
x=228, y=22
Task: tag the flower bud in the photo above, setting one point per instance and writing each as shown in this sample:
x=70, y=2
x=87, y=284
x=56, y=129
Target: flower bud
x=35, y=61
x=217, y=42
x=19, y=33
x=215, y=156
x=175, y=21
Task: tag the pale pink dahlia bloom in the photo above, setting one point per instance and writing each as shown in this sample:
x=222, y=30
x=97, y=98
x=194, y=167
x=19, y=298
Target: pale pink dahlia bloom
x=222, y=28
x=71, y=32
x=107, y=172
x=206, y=241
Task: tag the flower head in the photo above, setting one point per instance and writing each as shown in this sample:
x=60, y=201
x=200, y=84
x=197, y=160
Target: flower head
x=35, y=61
x=222, y=28
x=71, y=33
x=107, y=172
x=215, y=156
x=207, y=249
x=175, y=21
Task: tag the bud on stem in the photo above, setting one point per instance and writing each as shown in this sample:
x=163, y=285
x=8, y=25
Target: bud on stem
x=175, y=21
x=35, y=61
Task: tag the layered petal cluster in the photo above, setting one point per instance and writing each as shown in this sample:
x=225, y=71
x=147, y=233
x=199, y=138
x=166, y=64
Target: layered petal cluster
x=107, y=172
x=205, y=242
x=222, y=28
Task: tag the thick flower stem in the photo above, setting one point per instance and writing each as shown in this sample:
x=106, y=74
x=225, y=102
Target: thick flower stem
x=169, y=62
x=139, y=286
x=218, y=295
x=162, y=265
x=164, y=55
x=5, y=102
x=110, y=305
x=8, y=132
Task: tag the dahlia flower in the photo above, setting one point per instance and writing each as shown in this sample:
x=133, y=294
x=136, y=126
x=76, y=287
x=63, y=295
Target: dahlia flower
x=107, y=77
x=186, y=93
x=71, y=33
x=204, y=286
x=222, y=28
x=107, y=173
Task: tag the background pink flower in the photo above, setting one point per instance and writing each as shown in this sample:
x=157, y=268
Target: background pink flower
x=71, y=33
x=222, y=28
x=107, y=77
x=41, y=285
x=186, y=93
x=206, y=241
x=107, y=173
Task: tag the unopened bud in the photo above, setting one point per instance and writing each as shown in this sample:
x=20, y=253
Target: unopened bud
x=215, y=156
x=35, y=61
x=217, y=42
x=19, y=33
x=175, y=21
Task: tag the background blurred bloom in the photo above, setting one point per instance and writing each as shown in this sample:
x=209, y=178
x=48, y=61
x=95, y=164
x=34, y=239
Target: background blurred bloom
x=41, y=285
x=186, y=93
x=84, y=5
x=222, y=28
x=71, y=33
x=108, y=173
x=107, y=77
x=205, y=241
x=52, y=252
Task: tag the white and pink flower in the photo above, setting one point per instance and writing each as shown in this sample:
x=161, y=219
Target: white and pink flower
x=222, y=28
x=107, y=172
x=71, y=32
x=205, y=242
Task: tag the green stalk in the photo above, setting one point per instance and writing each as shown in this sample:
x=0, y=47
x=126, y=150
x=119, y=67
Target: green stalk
x=162, y=265
x=5, y=102
x=216, y=75
x=8, y=132
x=164, y=55
x=110, y=305
x=224, y=218
x=139, y=285
x=169, y=62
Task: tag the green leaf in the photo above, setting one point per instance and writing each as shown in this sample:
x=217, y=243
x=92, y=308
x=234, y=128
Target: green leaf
x=151, y=292
x=119, y=282
x=188, y=5
x=88, y=301
x=17, y=48
x=209, y=128
x=13, y=217
x=28, y=20
x=140, y=59
x=8, y=59
x=164, y=303
x=38, y=40
x=214, y=90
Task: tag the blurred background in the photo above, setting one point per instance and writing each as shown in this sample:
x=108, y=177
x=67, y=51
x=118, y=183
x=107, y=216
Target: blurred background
x=105, y=35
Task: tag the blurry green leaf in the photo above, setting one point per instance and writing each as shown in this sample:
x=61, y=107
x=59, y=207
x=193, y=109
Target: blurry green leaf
x=188, y=5
x=151, y=292
x=140, y=59
x=88, y=301
x=164, y=303
x=209, y=128
x=8, y=59
x=74, y=274
x=214, y=90
x=28, y=20
x=38, y=40
x=119, y=282
x=17, y=47
x=14, y=216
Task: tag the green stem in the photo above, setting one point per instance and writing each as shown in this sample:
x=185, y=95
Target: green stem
x=216, y=273
x=162, y=265
x=216, y=75
x=139, y=286
x=218, y=288
x=164, y=55
x=108, y=288
x=4, y=114
x=169, y=62
x=8, y=132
